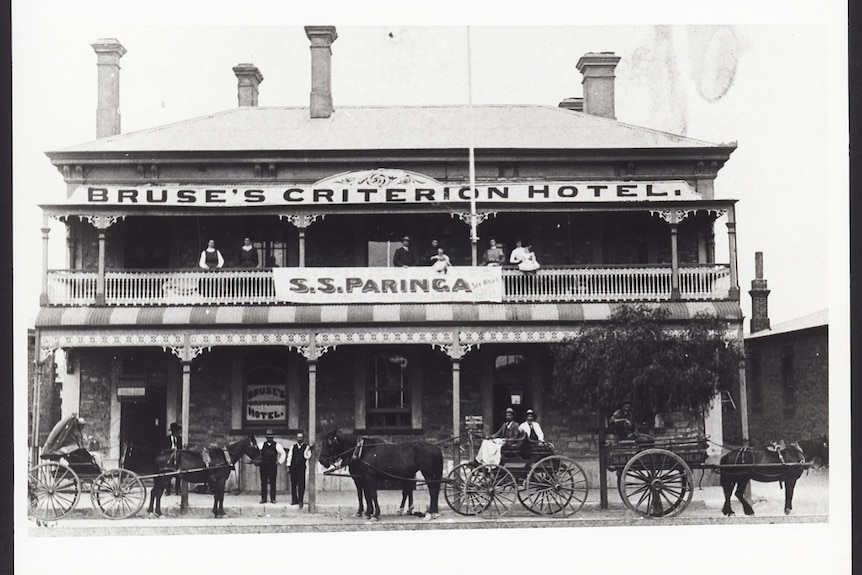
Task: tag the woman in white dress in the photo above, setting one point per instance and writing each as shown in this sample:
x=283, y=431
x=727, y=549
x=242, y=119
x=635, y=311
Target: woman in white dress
x=441, y=262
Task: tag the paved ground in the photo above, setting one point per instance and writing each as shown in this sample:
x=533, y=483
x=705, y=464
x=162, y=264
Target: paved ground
x=335, y=511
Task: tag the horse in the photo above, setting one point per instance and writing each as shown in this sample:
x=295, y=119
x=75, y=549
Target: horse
x=370, y=461
x=213, y=472
x=768, y=465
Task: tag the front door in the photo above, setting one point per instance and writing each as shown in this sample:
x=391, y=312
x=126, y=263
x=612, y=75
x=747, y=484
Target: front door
x=511, y=387
x=142, y=430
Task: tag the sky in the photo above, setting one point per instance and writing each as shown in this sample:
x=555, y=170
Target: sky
x=770, y=77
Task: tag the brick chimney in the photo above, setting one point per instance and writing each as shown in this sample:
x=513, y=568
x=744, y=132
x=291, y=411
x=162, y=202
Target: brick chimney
x=108, y=52
x=248, y=78
x=321, y=38
x=598, y=71
x=759, y=295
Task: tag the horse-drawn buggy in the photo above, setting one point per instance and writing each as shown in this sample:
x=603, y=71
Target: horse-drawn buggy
x=525, y=470
x=69, y=469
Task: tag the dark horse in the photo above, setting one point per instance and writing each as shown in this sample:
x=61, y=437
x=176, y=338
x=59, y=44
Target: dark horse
x=370, y=460
x=213, y=472
x=767, y=465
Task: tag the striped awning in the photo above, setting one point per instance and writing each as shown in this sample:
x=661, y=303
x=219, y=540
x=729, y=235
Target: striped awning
x=359, y=315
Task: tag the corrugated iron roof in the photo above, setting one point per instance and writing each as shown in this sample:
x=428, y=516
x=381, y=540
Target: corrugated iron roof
x=390, y=128
x=816, y=319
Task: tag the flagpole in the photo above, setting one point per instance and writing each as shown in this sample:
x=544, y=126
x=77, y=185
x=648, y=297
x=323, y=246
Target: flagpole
x=474, y=238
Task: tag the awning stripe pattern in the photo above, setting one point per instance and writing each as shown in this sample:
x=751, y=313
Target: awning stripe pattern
x=56, y=317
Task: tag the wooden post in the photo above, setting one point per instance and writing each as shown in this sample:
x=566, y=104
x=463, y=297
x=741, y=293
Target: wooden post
x=731, y=238
x=100, y=279
x=43, y=297
x=456, y=410
x=302, y=249
x=603, y=459
x=312, y=426
x=187, y=372
x=674, y=261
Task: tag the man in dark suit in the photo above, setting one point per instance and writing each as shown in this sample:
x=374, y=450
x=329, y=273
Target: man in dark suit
x=296, y=461
x=271, y=456
x=509, y=430
x=403, y=256
x=174, y=441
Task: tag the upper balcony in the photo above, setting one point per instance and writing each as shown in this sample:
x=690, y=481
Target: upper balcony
x=564, y=284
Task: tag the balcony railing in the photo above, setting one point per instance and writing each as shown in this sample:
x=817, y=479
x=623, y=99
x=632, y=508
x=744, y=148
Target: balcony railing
x=250, y=287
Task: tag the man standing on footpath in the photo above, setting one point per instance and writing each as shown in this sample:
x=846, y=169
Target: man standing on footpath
x=271, y=456
x=296, y=458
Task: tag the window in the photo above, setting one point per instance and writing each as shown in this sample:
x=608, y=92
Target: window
x=265, y=397
x=787, y=378
x=388, y=391
x=274, y=253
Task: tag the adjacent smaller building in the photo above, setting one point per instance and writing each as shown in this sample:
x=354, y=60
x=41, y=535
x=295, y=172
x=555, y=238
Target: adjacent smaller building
x=786, y=373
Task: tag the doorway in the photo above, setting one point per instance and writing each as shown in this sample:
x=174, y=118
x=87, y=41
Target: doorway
x=512, y=386
x=142, y=430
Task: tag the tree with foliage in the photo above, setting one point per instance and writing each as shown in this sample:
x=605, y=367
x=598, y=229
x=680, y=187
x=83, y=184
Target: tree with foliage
x=639, y=356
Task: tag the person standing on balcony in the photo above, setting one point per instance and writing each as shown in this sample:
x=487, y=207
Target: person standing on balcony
x=440, y=262
x=518, y=254
x=403, y=256
x=248, y=255
x=493, y=255
x=430, y=256
x=211, y=258
x=528, y=263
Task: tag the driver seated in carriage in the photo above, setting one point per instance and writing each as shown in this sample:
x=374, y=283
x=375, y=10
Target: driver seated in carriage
x=507, y=440
x=622, y=424
x=66, y=444
x=534, y=437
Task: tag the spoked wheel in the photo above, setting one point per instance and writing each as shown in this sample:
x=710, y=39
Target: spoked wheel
x=53, y=490
x=118, y=494
x=461, y=495
x=656, y=483
x=496, y=489
x=555, y=485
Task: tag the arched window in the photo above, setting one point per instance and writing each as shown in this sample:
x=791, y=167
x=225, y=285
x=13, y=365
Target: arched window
x=387, y=385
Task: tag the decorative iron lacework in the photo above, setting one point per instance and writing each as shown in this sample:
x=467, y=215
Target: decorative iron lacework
x=193, y=351
x=480, y=216
x=110, y=340
x=102, y=222
x=271, y=338
x=456, y=350
x=429, y=337
x=301, y=221
x=520, y=336
x=381, y=177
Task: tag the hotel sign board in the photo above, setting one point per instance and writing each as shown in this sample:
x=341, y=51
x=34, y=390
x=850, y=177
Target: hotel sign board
x=413, y=193
x=388, y=285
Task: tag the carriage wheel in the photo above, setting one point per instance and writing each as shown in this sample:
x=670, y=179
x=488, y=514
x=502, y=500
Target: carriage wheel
x=656, y=483
x=554, y=485
x=461, y=495
x=496, y=489
x=53, y=490
x=118, y=494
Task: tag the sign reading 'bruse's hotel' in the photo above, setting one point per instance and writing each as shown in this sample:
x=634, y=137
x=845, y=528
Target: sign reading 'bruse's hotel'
x=408, y=193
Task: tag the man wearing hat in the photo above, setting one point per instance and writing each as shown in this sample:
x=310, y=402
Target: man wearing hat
x=623, y=425
x=531, y=427
x=271, y=456
x=403, y=256
x=174, y=440
x=509, y=430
